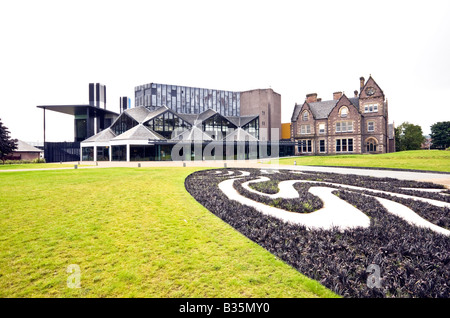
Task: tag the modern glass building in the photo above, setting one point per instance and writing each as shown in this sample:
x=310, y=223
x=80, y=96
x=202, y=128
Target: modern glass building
x=187, y=100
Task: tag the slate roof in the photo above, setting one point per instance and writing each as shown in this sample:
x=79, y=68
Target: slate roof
x=138, y=113
x=104, y=135
x=24, y=147
x=321, y=110
x=139, y=132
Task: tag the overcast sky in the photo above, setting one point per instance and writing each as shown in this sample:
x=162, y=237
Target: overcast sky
x=51, y=50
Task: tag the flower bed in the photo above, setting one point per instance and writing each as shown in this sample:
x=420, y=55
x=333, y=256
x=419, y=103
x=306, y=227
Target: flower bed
x=413, y=261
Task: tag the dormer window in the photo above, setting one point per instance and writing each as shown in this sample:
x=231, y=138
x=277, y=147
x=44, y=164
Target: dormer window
x=343, y=112
x=305, y=116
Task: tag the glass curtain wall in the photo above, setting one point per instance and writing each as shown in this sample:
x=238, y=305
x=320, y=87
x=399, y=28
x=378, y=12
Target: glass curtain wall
x=166, y=123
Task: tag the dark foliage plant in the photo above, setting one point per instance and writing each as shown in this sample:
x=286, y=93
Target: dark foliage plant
x=413, y=261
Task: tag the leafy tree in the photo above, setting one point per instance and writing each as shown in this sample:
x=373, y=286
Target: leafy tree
x=440, y=135
x=408, y=137
x=7, y=145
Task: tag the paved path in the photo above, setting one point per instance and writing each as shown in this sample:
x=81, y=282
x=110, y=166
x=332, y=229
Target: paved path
x=440, y=178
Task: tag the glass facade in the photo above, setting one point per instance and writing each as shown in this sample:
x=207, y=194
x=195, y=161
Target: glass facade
x=217, y=126
x=187, y=100
x=166, y=123
x=122, y=124
x=252, y=128
x=87, y=154
x=119, y=153
x=102, y=153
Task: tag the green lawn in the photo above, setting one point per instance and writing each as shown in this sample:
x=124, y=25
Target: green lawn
x=133, y=232
x=431, y=160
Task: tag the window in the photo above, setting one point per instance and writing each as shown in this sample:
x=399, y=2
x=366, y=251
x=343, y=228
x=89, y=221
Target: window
x=322, y=145
x=305, y=146
x=343, y=111
x=305, y=116
x=371, y=108
x=122, y=124
x=321, y=128
x=344, y=145
x=371, y=145
x=305, y=129
x=344, y=126
x=371, y=126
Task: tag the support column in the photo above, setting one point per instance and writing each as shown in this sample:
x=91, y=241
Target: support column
x=128, y=152
x=95, y=153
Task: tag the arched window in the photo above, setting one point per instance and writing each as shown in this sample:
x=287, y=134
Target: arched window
x=343, y=111
x=371, y=145
x=305, y=115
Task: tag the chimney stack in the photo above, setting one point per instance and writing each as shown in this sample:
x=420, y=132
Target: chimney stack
x=356, y=93
x=337, y=95
x=311, y=98
x=361, y=83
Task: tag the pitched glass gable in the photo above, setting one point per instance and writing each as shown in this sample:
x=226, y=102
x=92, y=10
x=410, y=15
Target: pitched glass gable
x=217, y=126
x=166, y=123
x=252, y=127
x=122, y=124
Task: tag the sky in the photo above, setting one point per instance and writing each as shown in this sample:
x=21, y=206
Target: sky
x=51, y=50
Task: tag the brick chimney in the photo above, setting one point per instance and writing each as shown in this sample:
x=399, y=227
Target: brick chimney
x=356, y=93
x=337, y=95
x=361, y=83
x=311, y=98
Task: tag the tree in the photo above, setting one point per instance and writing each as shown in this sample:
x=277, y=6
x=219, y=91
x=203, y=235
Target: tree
x=408, y=137
x=440, y=135
x=7, y=145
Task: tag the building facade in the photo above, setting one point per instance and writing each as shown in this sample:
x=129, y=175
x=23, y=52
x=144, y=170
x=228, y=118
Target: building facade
x=218, y=124
x=343, y=125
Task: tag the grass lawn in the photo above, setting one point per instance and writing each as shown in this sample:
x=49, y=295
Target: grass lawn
x=432, y=160
x=133, y=232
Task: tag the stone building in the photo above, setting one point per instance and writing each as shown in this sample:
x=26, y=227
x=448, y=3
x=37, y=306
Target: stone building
x=343, y=125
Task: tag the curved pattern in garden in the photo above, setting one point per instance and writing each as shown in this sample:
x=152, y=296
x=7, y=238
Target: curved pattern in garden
x=333, y=227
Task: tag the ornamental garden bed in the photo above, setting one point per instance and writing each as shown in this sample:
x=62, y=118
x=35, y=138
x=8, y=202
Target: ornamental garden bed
x=389, y=258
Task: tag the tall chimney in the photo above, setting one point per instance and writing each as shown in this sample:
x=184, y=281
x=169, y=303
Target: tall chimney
x=361, y=83
x=356, y=93
x=311, y=98
x=337, y=95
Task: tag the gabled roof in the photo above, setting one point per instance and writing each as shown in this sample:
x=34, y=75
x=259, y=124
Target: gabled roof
x=240, y=134
x=161, y=110
x=24, y=147
x=104, y=135
x=138, y=113
x=240, y=121
x=194, y=134
x=371, y=82
x=322, y=109
x=139, y=132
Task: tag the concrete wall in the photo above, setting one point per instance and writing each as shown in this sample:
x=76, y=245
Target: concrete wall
x=267, y=104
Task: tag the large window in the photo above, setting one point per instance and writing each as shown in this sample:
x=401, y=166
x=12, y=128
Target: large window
x=252, y=128
x=371, y=145
x=88, y=154
x=305, y=116
x=321, y=128
x=103, y=153
x=166, y=123
x=122, y=124
x=344, y=145
x=305, y=146
x=371, y=126
x=119, y=153
x=344, y=126
x=305, y=129
x=371, y=108
x=343, y=111
x=217, y=126
x=322, y=145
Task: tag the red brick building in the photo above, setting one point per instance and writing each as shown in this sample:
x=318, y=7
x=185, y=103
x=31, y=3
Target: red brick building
x=344, y=125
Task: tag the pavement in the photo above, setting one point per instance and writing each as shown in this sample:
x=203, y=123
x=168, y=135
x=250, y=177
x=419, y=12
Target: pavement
x=439, y=178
